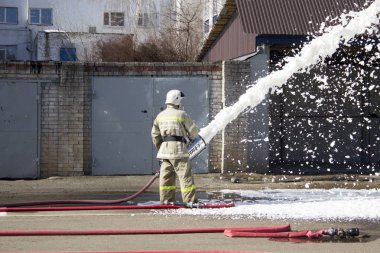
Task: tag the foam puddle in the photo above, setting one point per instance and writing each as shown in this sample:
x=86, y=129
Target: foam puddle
x=312, y=53
x=307, y=204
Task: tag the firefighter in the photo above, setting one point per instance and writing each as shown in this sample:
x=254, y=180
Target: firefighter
x=172, y=130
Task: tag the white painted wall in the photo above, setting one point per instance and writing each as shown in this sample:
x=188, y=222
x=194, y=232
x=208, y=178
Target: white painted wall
x=78, y=16
x=49, y=44
x=22, y=12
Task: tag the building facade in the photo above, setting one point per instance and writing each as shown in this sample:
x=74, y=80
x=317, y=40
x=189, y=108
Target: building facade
x=72, y=26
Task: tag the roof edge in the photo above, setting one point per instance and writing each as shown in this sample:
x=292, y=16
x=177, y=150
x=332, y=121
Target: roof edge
x=225, y=16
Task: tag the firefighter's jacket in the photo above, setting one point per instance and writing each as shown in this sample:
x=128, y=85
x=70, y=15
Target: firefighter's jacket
x=172, y=122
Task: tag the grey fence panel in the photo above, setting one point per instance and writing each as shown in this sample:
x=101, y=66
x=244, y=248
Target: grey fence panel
x=122, y=118
x=18, y=129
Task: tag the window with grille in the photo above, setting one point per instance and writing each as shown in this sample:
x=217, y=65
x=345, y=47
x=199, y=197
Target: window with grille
x=147, y=19
x=113, y=18
x=92, y=29
x=206, y=26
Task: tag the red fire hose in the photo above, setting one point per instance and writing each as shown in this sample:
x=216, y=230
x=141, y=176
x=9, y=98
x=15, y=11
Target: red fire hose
x=69, y=201
x=282, y=231
x=278, y=234
x=17, y=207
x=167, y=251
x=268, y=230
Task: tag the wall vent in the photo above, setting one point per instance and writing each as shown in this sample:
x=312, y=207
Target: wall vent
x=92, y=29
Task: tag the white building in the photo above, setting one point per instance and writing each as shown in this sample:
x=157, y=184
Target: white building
x=211, y=11
x=68, y=29
x=15, y=37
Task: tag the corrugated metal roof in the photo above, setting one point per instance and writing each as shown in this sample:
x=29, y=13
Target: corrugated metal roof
x=291, y=17
x=231, y=42
x=278, y=17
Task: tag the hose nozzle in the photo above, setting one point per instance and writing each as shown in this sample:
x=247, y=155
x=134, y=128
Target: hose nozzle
x=196, y=147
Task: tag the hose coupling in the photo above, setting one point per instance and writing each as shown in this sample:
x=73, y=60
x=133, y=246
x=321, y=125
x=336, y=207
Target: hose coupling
x=193, y=205
x=342, y=233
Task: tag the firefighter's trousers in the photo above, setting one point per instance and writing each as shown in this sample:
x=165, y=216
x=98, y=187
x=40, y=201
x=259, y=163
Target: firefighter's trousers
x=168, y=171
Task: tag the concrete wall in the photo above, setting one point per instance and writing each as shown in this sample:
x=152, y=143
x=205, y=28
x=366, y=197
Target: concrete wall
x=259, y=117
x=48, y=45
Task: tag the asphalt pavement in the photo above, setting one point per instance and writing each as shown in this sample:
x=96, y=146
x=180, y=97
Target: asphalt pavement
x=120, y=186
x=95, y=187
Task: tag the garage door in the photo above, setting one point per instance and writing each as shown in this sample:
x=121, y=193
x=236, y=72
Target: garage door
x=123, y=110
x=18, y=129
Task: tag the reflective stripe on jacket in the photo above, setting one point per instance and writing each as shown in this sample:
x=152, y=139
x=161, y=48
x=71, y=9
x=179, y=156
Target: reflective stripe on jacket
x=172, y=122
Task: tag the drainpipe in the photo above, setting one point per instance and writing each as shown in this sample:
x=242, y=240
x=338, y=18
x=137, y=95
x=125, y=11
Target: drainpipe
x=31, y=49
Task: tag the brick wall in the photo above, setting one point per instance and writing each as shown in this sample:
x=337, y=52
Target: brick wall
x=216, y=105
x=65, y=116
x=65, y=106
x=236, y=77
x=65, y=122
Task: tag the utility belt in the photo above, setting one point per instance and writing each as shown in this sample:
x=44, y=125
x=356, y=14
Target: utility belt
x=174, y=138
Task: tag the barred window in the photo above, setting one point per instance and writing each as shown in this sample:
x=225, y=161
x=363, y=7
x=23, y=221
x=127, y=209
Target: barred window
x=113, y=18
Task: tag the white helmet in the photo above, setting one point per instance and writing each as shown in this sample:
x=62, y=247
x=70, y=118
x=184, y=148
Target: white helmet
x=174, y=97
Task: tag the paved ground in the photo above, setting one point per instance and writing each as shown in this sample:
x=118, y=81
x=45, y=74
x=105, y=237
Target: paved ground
x=116, y=187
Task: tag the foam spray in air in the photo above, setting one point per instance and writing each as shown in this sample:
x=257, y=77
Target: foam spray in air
x=312, y=53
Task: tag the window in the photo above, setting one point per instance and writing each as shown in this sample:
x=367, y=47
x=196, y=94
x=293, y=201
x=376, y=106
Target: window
x=146, y=20
x=41, y=17
x=8, y=53
x=215, y=19
x=114, y=18
x=206, y=26
x=68, y=54
x=8, y=15
x=215, y=11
